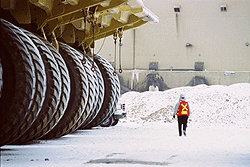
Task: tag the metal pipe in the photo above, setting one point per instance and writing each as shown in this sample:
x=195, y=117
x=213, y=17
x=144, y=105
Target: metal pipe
x=134, y=48
x=54, y=41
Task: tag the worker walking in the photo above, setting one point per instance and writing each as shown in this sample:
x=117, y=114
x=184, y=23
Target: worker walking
x=182, y=111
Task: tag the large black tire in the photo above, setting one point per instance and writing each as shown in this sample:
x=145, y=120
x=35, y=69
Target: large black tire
x=53, y=92
x=19, y=83
x=99, y=95
x=115, y=122
x=107, y=123
x=1, y=77
x=65, y=96
x=112, y=91
x=78, y=94
x=40, y=84
x=92, y=89
x=53, y=95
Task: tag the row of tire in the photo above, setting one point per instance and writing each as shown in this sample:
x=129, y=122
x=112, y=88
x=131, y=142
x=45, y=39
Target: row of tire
x=45, y=93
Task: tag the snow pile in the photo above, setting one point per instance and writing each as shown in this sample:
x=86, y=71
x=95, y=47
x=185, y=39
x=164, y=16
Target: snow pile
x=217, y=104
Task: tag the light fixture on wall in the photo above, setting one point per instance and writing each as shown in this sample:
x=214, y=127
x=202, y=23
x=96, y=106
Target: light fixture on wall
x=188, y=45
x=247, y=44
x=223, y=8
x=177, y=9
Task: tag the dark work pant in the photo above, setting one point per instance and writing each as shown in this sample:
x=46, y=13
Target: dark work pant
x=182, y=120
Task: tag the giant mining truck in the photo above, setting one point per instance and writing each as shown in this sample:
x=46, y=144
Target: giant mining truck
x=51, y=81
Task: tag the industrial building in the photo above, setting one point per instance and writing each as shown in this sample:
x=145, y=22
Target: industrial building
x=194, y=38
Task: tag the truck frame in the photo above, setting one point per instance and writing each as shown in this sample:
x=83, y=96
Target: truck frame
x=52, y=82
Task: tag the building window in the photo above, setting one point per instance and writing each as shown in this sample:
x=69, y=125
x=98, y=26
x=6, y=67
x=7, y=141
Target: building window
x=176, y=9
x=223, y=8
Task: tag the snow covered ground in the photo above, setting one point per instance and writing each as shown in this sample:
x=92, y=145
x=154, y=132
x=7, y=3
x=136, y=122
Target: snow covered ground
x=218, y=134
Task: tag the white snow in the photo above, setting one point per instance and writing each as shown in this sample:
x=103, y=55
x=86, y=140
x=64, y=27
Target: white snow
x=218, y=134
x=209, y=105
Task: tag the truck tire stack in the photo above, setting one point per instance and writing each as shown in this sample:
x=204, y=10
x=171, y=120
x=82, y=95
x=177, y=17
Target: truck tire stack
x=45, y=93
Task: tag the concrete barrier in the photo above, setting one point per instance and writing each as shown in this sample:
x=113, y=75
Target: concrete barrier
x=136, y=79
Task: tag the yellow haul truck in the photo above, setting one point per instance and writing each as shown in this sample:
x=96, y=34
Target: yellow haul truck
x=51, y=81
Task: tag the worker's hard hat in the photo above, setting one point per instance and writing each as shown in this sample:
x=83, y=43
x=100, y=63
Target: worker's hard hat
x=182, y=96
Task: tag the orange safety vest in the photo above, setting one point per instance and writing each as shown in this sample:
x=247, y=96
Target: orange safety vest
x=183, y=109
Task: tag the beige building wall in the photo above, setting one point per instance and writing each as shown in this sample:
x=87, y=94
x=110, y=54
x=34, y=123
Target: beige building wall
x=220, y=39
